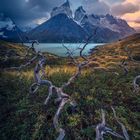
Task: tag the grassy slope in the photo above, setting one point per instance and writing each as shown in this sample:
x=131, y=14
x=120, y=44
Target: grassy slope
x=24, y=117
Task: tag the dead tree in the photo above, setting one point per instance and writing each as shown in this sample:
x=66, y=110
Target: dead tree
x=62, y=97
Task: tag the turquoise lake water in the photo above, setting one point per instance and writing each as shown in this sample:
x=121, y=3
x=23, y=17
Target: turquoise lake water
x=58, y=49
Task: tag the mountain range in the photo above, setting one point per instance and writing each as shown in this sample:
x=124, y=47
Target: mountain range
x=66, y=26
x=9, y=31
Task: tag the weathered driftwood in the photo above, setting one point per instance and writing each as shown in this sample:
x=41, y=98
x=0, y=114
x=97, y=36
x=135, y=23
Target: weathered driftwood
x=32, y=48
x=126, y=136
x=136, y=81
x=129, y=52
x=136, y=84
x=102, y=129
x=62, y=97
x=123, y=65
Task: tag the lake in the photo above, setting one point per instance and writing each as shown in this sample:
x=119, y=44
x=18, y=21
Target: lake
x=58, y=49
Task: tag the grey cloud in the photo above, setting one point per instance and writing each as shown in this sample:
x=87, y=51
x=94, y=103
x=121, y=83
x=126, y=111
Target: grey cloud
x=112, y=2
x=26, y=11
x=44, y=5
x=23, y=12
x=96, y=7
x=121, y=9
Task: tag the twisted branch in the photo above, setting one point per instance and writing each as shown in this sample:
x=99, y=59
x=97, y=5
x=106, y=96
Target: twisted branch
x=137, y=78
x=102, y=129
x=79, y=65
x=135, y=84
x=62, y=97
x=126, y=136
x=56, y=117
x=123, y=65
x=129, y=53
x=70, y=54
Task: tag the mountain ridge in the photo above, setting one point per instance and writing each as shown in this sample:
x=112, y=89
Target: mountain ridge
x=109, y=27
x=56, y=30
x=9, y=31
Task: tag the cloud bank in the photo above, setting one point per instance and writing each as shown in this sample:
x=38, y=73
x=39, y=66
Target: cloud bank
x=25, y=12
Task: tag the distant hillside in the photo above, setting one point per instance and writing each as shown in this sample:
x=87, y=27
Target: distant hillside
x=13, y=54
x=113, y=54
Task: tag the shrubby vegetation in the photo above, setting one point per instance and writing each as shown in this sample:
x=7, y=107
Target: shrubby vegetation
x=24, y=116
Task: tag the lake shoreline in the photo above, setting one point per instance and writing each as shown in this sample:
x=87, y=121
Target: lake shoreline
x=58, y=49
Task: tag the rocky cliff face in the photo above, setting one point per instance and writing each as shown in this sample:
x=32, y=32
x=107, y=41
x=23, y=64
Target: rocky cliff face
x=64, y=8
x=79, y=14
x=108, y=22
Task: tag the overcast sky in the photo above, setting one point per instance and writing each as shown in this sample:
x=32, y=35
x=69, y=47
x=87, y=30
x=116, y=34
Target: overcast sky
x=27, y=12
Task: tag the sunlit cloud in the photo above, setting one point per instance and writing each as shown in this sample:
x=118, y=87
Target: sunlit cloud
x=133, y=19
x=128, y=10
x=41, y=20
x=121, y=9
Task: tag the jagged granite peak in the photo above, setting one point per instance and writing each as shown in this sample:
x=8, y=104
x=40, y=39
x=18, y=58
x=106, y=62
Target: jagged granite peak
x=116, y=24
x=84, y=20
x=100, y=34
x=110, y=22
x=66, y=4
x=111, y=19
x=93, y=20
x=64, y=8
x=79, y=14
x=57, y=29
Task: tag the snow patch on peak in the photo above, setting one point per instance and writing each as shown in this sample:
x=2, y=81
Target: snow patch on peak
x=79, y=14
x=105, y=23
x=6, y=22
